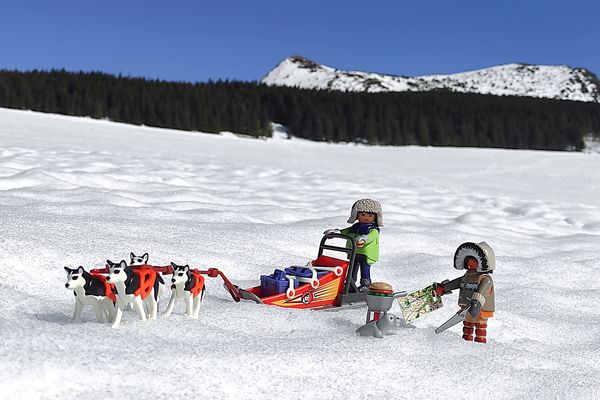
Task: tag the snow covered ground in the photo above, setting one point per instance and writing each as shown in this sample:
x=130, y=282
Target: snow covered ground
x=76, y=191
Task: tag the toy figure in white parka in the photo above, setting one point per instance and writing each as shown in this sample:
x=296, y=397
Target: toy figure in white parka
x=138, y=286
x=187, y=284
x=365, y=234
x=476, y=294
x=93, y=290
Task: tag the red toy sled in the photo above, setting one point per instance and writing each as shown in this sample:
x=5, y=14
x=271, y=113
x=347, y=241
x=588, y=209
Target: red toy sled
x=325, y=283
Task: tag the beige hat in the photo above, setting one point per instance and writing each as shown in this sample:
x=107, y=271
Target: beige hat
x=366, y=205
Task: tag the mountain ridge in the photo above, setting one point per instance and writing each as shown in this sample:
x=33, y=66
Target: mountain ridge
x=516, y=79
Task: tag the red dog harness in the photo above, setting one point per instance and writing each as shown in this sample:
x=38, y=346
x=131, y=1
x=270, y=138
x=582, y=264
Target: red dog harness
x=109, y=288
x=147, y=278
x=199, y=284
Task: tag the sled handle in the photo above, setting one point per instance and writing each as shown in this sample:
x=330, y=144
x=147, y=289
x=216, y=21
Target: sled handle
x=350, y=251
x=346, y=250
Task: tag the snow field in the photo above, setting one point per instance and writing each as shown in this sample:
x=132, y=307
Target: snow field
x=76, y=191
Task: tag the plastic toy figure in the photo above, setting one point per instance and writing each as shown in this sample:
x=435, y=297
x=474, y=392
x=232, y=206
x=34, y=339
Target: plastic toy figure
x=476, y=295
x=380, y=321
x=365, y=233
x=91, y=289
x=136, y=286
x=187, y=284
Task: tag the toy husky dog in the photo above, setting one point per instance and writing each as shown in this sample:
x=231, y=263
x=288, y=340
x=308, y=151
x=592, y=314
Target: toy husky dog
x=187, y=284
x=93, y=290
x=136, y=286
x=138, y=260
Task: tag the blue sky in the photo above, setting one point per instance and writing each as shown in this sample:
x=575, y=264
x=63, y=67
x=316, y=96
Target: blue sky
x=235, y=39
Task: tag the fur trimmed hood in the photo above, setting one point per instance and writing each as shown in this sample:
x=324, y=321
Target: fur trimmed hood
x=366, y=205
x=482, y=252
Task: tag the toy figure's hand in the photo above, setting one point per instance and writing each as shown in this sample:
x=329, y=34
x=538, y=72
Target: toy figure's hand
x=361, y=240
x=438, y=289
x=330, y=231
x=476, y=302
x=475, y=308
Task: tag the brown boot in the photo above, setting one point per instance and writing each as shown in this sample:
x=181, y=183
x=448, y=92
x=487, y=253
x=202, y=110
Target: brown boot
x=480, y=333
x=467, y=330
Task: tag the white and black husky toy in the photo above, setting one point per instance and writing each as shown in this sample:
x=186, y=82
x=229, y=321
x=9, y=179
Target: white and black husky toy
x=138, y=260
x=136, y=286
x=187, y=284
x=93, y=290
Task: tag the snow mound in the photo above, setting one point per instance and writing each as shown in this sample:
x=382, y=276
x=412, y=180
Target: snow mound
x=554, y=82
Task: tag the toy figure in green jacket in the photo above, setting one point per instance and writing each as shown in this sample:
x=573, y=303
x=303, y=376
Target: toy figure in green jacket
x=365, y=233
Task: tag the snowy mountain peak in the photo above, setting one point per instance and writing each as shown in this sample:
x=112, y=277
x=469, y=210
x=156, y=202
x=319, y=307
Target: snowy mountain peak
x=555, y=82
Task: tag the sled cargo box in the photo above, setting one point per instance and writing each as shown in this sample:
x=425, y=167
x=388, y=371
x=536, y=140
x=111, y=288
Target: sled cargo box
x=275, y=283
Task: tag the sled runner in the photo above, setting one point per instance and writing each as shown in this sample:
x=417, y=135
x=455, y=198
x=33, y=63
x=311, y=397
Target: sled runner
x=325, y=282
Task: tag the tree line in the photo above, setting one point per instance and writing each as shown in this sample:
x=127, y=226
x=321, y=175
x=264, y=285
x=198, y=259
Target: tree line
x=437, y=118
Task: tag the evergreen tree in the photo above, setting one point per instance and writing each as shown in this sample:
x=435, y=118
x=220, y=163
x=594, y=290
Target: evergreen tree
x=432, y=118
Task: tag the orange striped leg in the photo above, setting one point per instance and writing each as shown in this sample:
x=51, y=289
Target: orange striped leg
x=468, y=330
x=480, y=332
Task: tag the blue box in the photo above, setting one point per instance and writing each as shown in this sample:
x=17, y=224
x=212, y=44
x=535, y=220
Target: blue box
x=275, y=283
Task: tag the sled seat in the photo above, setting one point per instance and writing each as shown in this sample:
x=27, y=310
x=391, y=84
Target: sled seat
x=330, y=264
